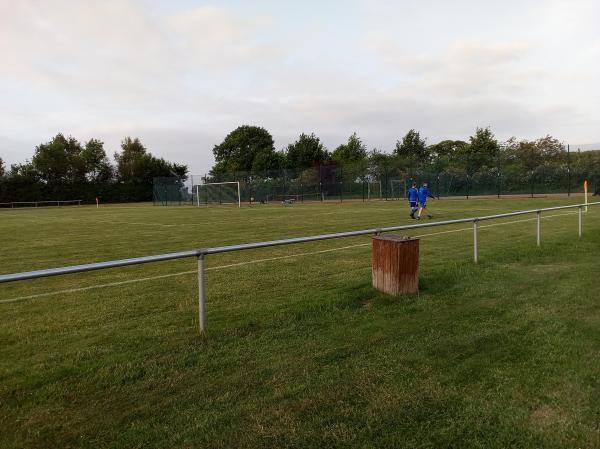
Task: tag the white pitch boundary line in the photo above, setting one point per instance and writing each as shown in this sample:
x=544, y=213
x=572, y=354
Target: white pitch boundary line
x=250, y=262
x=167, y=225
x=136, y=223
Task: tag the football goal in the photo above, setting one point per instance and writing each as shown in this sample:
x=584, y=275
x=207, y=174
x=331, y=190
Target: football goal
x=398, y=189
x=218, y=193
x=374, y=190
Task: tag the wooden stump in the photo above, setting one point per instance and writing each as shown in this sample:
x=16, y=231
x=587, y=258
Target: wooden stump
x=395, y=264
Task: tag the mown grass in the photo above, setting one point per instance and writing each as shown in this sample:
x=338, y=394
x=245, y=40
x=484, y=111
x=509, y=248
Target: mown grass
x=300, y=351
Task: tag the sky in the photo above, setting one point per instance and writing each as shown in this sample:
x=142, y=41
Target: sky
x=182, y=74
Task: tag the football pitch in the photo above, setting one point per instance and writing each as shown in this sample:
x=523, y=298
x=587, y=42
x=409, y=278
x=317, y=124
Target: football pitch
x=300, y=350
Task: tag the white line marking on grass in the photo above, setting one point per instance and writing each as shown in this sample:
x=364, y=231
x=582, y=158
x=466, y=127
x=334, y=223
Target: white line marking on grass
x=250, y=262
x=92, y=287
x=182, y=273
x=133, y=223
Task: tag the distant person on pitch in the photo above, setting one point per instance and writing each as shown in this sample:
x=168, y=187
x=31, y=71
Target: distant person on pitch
x=424, y=193
x=413, y=200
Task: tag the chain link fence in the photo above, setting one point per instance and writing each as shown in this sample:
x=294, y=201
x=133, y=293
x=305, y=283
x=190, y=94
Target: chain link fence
x=369, y=182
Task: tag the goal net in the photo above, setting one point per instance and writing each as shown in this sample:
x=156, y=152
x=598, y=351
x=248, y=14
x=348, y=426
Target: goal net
x=397, y=189
x=218, y=193
x=374, y=190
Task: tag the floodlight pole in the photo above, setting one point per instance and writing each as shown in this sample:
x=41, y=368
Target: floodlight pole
x=539, y=222
x=475, y=240
x=201, y=295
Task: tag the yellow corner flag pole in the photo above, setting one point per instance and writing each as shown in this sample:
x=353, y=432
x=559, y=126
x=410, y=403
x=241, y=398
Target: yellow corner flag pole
x=585, y=188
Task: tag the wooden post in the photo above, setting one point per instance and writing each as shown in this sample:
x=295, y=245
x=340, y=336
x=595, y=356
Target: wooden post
x=395, y=264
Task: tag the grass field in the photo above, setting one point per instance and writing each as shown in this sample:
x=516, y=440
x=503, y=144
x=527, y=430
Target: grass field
x=300, y=350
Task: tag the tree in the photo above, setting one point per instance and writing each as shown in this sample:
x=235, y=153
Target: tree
x=412, y=147
x=444, y=153
x=379, y=157
x=133, y=156
x=446, y=148
x=136, y=166
x=551, y=149
x=353, y=150
x=2, y=169
x=264, y=161
x=525, y=153
x=59, y=161
x=305, y=152
x=483, y=150
x=97, y=166
x=595, y=169
x=531, y=154
x=24, y=171
x=246, y=148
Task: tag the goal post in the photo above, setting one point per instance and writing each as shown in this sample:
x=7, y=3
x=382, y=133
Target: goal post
x=398, y=188
x=219, y=192
x=374, y=190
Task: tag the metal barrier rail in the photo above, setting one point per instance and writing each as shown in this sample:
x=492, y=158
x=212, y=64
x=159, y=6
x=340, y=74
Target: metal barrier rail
x=41, y=203
x=201, y=252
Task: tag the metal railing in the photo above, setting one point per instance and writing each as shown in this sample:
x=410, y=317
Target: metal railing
x=58, y=203
x=202, y=252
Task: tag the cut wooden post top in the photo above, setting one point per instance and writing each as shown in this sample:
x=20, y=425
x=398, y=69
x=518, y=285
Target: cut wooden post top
x=395, y=238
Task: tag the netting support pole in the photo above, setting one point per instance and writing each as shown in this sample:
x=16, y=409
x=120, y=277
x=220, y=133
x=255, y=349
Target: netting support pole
x=580, y=210
x=201, y=295
x=341, y=183
x=475, y=255
x=321, y=183
x=539, y=223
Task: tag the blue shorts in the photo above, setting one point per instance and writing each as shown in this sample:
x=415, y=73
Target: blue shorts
x=424, y=205
x=413, y=204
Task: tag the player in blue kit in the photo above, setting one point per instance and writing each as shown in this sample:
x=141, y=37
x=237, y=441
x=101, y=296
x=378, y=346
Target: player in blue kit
x=424, y=193
x=413, y=199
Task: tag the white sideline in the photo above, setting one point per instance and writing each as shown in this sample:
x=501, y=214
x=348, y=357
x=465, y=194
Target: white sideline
x=249, y=262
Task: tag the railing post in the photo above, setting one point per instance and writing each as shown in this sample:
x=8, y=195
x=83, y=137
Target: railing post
x=539, y=222
x=580, y=223
x=201, y=295
x=475, y=258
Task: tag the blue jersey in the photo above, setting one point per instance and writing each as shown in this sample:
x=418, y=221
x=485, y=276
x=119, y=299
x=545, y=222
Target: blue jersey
x=413, y=195
x=424, y=193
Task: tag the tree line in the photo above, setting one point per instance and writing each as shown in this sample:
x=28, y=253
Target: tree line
x=251, y=150
x=64, y=169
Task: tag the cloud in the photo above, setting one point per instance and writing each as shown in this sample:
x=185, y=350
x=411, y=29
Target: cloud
x=216, y=38
x=463, y=69
x=182, y=77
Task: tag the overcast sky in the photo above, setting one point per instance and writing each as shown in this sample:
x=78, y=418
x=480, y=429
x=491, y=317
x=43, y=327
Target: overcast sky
x=182, y=74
